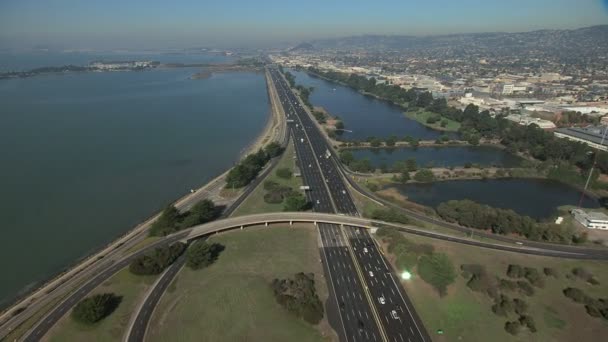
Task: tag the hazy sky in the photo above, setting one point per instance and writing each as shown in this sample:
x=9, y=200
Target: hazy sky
x=161, y=24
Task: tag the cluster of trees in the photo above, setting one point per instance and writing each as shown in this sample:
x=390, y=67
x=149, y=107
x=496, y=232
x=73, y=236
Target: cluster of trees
x=202, y=254
x=246, y=171
x=570, y=118
x=594, y=307
x=284, y=173
x=480, y=281
x=391, y=93
x=434, y=268
x=319, y=116
x=93, y=309
x=305, y=94
x=157, y=260
x=390, y=215
x=530, y=273
x=171, y=220
x=424, y=176
x=358, y=165
x=502, y=221
x=291, y=79
x=299, y=296
x=277, y=193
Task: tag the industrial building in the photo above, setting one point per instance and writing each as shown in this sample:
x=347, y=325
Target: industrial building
x=591, y=220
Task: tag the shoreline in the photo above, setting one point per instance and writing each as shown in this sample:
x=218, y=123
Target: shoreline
x=74, y=271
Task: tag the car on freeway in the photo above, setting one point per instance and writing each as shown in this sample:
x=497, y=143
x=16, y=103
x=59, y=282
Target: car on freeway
x=394, y=314
x=371, y=274
x=364, y=249
x=381, y=300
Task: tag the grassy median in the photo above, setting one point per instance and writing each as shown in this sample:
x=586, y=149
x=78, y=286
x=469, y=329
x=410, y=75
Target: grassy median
x=466, y=315
x=255, y=203
x=231, y=300
x=132, y=288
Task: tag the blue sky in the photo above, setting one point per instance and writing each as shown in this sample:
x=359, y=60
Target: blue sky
x=153, y=23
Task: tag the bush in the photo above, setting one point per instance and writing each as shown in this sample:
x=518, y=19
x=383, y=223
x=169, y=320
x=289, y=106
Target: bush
x=512, y=327
x=437, y=270
x=525, y=288
x=299, y=297
x=156, y=261
x=93, y=309
x=202, y=254
x=503, y=306
x=284, y=173
x=508, y=285
x=166, y=223
x=515, y=271
x=520, y=306
x=550, y=272
x=424, y=176
x=577, y=295
x=273, y=198
x=527, y=321
x=585, y=275
x=390, y=215
x=534, y=277
x=296, y=202
x=270, y=185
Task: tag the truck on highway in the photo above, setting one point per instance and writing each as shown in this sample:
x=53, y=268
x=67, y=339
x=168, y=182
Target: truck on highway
x=304, y=187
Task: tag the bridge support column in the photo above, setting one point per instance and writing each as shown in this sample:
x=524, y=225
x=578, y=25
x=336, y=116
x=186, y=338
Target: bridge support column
x=315, y=223
x=266, y=223
x=242, y=227
x=290, y=222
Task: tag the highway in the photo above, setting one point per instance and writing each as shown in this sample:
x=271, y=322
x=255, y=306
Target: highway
x=390, y=318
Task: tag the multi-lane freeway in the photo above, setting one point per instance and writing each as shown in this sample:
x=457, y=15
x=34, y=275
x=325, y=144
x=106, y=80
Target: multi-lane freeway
x=371, y=305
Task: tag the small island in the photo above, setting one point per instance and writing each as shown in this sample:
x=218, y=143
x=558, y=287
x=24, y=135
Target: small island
x=98, y=66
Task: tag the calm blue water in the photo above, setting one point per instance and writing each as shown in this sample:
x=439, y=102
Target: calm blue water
x=27, y=61
x=365, y=116
x=538, y=198
x=86, y=156
x=440, y=156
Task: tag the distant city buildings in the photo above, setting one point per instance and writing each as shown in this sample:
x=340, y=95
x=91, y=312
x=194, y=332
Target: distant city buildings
x=122, y=65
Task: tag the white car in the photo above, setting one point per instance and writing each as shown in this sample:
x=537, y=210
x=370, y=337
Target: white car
x=381, y=300
x=344, y=192
x=371, y=274
x=364, y=249
x=318, y=202
x=394, y=314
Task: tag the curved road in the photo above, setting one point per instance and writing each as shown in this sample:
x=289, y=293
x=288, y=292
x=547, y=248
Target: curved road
x=284, y=217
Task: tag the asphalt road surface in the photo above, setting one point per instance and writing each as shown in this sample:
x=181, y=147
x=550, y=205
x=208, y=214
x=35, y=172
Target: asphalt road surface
x=362, y=314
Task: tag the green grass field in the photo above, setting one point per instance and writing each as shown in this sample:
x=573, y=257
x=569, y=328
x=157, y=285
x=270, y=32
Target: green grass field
x=465, y=315
x=421, y=116
x=255, y=203
x=231, y=300
x=132, y=288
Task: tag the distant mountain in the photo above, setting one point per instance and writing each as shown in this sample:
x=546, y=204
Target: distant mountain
x=303, y=47
x=583, y=41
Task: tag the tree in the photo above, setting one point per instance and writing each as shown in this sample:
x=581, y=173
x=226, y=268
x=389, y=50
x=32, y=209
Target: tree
x=166, y=223
x=424, y=176
x=273, y=149
x=339, y=125
x=202, y=212
x=93, y=309
x=512, y=327
x=202, y=254
x=437, y=269
x=156, y=261
x=284, y=173
x=410, y=165
x=296, y=202
x=299, y=296
x=346, y=157
x=424, y=99
x=404, y=177
x=391, y=141
x=375, y=142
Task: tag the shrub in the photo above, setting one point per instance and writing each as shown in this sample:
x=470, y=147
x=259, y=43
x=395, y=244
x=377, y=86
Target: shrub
x=534, y=277
x=550, y=272
x=296, y=202
x=156, y=261
x=515, y=271
x=512, y=327
x=93, y=309
x=390, y=215
x=424, y=176
x=520, y=306
x=527, y=321
x=273, y=198
x=509, y=285
x=437, y=269
x=299, y=297
x=525, y=288
x=284, y=173
x=202, y=254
